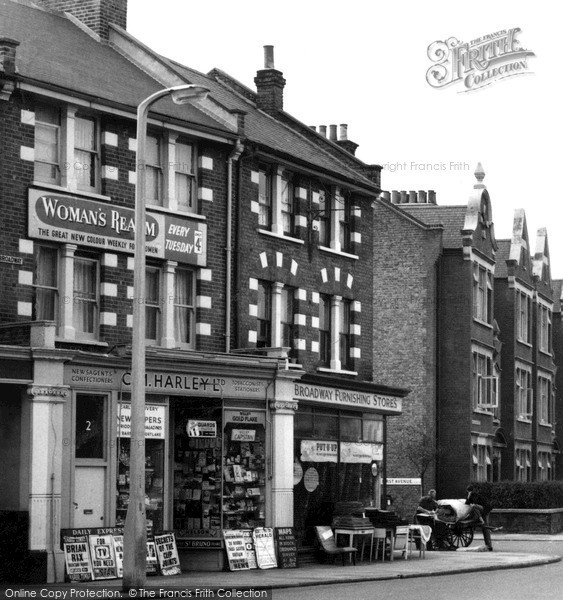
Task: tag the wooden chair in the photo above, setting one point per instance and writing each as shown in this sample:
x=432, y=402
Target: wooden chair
x=329, y=547
x=379, y=539
x=401, y=541
x=416, y=539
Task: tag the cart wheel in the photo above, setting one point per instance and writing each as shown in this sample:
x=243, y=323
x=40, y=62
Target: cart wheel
x=460, y=536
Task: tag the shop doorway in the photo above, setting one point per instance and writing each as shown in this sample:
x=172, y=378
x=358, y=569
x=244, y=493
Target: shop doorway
x=89, y=496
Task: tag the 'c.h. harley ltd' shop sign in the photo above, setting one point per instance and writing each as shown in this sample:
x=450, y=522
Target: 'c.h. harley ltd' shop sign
x=60, y=218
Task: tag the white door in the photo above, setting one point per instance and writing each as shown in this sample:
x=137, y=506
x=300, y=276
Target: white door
x=89, y=496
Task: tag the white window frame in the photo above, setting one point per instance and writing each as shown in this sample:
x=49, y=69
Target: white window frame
x=56, y=129
x=524, y=319
x=37, y=248
x=95, y=302
x=523, y=463
x=545, y=399
x=545, y=321
x=154, y=304
x=482, y=293
x=488, y=391
x=190, y=307
x=483, y=401
x=524, y=392
x=337, y=365
x=93, y=153
x=274, y=182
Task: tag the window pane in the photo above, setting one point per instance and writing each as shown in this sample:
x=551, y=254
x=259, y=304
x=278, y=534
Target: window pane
x=184, y=158
x=264, y=315
x=183, y=309
x=351, y=430
x=326, y=427
x=85, y=134
x=264, y=198
x=89, y=426
x=183, y=191
x=85, y=295
x=152, y=308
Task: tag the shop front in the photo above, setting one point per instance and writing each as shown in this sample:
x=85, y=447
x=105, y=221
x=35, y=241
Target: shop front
x=339, y=449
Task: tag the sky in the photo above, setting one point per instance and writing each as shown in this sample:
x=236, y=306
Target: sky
x=365, y=64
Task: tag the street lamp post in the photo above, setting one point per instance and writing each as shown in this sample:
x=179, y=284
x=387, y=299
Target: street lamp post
x=135, y=534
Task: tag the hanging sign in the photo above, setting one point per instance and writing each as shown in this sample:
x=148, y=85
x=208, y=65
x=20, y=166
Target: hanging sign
x=319, y=451
x=286, y=547
x=155, y=421
x=197, y=428
x=103, y=556
x=77, y=558
x=167, y=554
x=235, y=545
x=264, y=547
x=358, y=452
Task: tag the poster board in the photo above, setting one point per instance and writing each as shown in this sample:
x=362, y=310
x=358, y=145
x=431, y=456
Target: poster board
x=77, y=558
x=152, y=559
x=286, y=547
x=235, y=546
x=118, y=551
x=264, y=547
x=167, y=553
x=249, y=546
x=103, y=556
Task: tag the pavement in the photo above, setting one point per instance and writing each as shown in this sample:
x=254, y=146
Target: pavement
x=465, y=560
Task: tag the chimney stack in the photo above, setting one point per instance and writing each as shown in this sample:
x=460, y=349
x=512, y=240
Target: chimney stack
x=344, y=142
x=8, y=56
x=95, y=14
x=269, y=85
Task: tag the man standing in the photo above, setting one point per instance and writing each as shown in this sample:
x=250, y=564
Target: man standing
x=480, y=509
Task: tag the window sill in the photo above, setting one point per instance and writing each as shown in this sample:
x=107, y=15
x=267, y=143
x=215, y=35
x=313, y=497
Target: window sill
x=483, y=323
x=524, y=420
x=176, y=213
x=339, y=253
x=546, y=425
x=83, y=342
x=286, y=238
x=69, y=192
x=524, y=343
x=336, y=371
x=483, y=411
x=546, y=353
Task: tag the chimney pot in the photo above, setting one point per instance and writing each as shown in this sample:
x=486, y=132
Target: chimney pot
x=395, y=197
x=412, y=197
x=313, y=127
x=322, y=130
x=431, y=197
x=8, y=55
x=386, y=196
x=404, y=197
x=421, y=196
x=332, y=129
x=269, y=57
x=343, y=132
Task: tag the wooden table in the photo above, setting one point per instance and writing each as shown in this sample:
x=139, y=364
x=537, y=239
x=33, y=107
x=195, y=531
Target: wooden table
x=353, y=531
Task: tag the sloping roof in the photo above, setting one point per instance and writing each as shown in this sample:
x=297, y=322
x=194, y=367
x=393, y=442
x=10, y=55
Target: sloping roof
x=55, y=51
x=451, y=218
x=502, y=255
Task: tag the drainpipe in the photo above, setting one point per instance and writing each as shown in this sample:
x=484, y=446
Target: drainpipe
x=234, y=156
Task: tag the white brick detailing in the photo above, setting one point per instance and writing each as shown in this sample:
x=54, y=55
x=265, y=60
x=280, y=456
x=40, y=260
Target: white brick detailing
x=263, y=260
x=356, y=211
x=316, y=197
x=356, y=329
x=299, y=319
x=26, y=246
x=279, y=259
x=300, y=344
x=27, y=117
x=130, y=292
x=316, y=225
x=293, y=268
x=109, y=138
x=108, y=289
x=203, y=329
x=130, y=263
x=356, y=306
x=132, y=175
x=109, y=260
x=133, y=144
x=252, y=283
x=349, y=280
x=315, y=322
x=254, y=206
x=356, y=237
x=252, y=336
x=205, y=194
x=315, y=347
x=109, y=172
x=205, y=162
x=203, y=301
x=356, y=352
x=336, y=273
x=324, y=275
x=129, y=320
x=253, y=310
x=107, y=318
x=301, y=294
x=301, y=193
x=25, y=278
x=301, y=221
x=315, y=297
x=25, y=309
x=205, y=274
x=255, y=177
x=27, y=153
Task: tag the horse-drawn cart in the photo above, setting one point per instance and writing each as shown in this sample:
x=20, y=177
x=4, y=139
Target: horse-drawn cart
x=452, y=525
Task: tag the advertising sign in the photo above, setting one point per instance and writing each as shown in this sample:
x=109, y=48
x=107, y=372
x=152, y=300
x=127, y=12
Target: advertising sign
x=155, y=421
x=235, y=546
x=77, y=558
x=287, y=547
x=60, y=218
x=264, y=547
x=103, y=556
x=359, y=452
x=243, y=435
x=319, y=451
x=197, y=428
x=167, y=554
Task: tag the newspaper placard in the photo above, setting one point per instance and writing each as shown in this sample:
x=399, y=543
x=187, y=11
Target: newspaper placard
x=167, y=553
x=249, y=546
x=77, y=558
x=264, y=547
x=118, y=551
x=235, y=545
x=152, y=559
x=103, y=556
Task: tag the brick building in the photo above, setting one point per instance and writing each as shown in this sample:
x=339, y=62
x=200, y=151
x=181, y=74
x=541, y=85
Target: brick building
x=261, y=404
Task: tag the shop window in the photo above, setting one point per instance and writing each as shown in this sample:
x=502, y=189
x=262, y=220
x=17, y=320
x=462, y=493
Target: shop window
x=86, y=298
x=152, y=304
x=325, y=426
x=47, y=144
x=45, y=282
x=86, y=153
x=373, y=430
x=184, y=307
x=90, y=426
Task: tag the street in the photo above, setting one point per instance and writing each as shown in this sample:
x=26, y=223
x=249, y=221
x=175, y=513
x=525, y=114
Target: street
x=534, y=583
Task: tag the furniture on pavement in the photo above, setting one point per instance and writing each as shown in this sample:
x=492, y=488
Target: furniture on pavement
x=352, y=532
x=328, y=545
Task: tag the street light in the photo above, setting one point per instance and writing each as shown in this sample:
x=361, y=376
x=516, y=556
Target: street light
x=135, y=534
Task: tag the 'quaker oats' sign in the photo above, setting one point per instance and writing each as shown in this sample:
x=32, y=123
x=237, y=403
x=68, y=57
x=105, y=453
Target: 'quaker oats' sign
x=478, y=63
